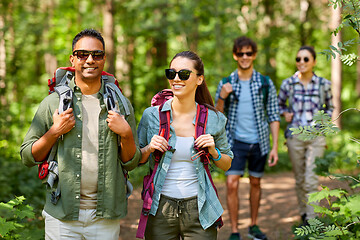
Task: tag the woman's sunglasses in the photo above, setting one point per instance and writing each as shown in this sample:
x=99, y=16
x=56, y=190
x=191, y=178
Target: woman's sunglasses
x=84, y=54
x=183, y=74
x=298, y=59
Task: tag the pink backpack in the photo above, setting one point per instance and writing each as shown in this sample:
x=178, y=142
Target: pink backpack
x=162, y=97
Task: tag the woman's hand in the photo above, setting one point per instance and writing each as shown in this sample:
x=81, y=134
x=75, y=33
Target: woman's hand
x=206, y=140
x=288, y=116
x=157, y=143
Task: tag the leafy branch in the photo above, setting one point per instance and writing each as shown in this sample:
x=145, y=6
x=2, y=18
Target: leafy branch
x=351, y=18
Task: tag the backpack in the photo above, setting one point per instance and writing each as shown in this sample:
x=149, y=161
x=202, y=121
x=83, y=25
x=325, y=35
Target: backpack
x=48, y=170
x=264, y=89
x=164, y=131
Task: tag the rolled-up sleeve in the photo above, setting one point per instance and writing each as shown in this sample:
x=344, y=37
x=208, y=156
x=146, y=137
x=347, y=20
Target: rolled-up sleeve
x=40, y=124
x=216, y=127
x=273, y=105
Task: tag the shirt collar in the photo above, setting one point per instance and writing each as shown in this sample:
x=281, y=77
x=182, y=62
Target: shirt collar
x=75, y=88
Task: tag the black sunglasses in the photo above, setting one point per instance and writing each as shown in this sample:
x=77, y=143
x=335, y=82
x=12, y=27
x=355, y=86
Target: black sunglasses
x=241, y=54
x=84, y=54
x=298, y=59
x=183, y=74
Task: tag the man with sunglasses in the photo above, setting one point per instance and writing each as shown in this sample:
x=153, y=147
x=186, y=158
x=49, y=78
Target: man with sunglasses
x=241, y=97
x=94, y=146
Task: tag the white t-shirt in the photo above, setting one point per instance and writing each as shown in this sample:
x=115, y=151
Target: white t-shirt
x=181, y=180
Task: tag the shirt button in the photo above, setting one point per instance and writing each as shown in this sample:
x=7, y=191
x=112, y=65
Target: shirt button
x=78, y=99
x=79, y=136
x=77, y=197
x=200, y=182
x=77, y=175
x=78, y=156
x=78, y=116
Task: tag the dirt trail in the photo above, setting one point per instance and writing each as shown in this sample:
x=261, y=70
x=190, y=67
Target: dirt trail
x=278, y=211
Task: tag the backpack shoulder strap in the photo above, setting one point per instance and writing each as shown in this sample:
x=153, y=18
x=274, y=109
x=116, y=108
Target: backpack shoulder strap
x=201, y=120
x=322, y=93
x=110, y=89
x=164, y=130
x=265, y=88
x=65, y=97
x=226, y=79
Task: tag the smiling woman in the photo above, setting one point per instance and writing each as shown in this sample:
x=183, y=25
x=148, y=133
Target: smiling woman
x=181, y=182
x=306, y=94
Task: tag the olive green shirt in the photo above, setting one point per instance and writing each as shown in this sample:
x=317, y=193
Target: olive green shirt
x=111, y=193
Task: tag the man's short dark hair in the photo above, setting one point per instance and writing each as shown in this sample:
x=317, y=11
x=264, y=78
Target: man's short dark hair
x=244, y=41
x=88, y=33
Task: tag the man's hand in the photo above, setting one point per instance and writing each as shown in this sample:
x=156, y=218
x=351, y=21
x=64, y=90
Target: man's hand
x=273, y=158
x=118, y=124
x=63, y=122
x=226, y=90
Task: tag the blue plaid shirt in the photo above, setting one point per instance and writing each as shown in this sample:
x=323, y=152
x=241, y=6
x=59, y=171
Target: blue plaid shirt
x=209, y=206
x=304, y=102
x=262, y=117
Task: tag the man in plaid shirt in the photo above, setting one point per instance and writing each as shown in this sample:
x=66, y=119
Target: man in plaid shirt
x=250, y=112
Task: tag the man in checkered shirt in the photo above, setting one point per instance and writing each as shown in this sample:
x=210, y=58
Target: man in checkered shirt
x=250, y=112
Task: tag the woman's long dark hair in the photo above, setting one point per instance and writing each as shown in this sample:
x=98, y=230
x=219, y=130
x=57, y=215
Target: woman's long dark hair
x=202, y=95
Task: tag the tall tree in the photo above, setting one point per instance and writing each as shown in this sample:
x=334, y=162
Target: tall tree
x=336, y=66
x=358, y=75
x=108, y=30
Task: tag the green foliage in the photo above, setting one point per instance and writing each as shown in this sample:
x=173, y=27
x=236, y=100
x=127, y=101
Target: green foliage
x=340, y=218
x=323, y=126
x=350, y=18
x=16, y=220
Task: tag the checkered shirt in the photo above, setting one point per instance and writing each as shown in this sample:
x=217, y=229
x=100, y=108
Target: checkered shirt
x=262, y=117
x=303, y=99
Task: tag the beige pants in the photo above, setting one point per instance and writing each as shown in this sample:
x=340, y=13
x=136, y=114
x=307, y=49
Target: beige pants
x=302, y=155
x=87, y=227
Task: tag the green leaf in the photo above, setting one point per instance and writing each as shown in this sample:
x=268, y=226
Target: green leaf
x=325, y=193
x=6, y=227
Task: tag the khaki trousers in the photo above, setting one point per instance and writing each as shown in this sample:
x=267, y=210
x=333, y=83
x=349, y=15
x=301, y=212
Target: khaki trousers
x=87, y=227
x=302, y=155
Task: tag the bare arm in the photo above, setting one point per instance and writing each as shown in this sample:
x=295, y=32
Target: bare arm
x=63, y=123
x=273, y=155
x=224, y=93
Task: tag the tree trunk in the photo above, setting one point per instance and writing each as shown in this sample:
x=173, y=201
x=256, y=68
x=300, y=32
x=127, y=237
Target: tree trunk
x=2, y=63
x=358, y=75
x=109, y=35
x=336, y=67
x=50, y=59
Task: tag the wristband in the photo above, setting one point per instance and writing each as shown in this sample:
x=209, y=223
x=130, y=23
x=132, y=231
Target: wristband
x=219, y=153
x=221, y=98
